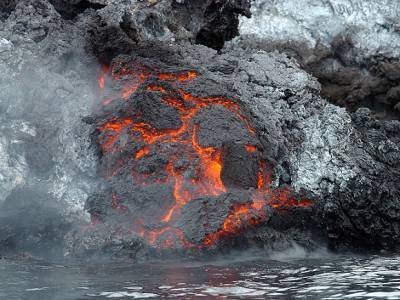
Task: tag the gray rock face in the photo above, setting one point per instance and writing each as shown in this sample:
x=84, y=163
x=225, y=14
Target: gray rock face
x=328, y=177
x=372, y=24
x=210, y=22
x=350, y=46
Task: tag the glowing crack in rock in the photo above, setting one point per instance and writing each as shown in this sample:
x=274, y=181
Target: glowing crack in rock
x=208, y=181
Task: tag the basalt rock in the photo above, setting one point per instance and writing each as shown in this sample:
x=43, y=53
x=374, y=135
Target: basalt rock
x=350, y=46
x=284, y=160
x=6, y=7
x=210, y=22
x=175, y=147
x=71, y=9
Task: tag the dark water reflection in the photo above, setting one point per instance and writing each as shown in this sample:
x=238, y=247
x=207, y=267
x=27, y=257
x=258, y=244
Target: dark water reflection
x=338, y=277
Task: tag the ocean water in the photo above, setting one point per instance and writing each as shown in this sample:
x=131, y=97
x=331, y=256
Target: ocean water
x=279, y=277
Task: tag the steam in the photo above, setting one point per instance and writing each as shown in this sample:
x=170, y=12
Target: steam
x=296, y=252
x=47, y=168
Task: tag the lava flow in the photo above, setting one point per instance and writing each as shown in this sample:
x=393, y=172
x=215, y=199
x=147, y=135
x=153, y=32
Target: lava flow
x=193, y=170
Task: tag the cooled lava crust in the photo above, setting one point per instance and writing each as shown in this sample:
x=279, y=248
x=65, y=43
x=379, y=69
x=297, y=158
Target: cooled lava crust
x=183, y=169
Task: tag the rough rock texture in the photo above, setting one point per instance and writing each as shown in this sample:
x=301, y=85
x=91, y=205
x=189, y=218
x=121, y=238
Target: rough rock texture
x=344, y=164
x=70, y=9
x=367, y=209
x=6, y=7
x=104, y=240
x=311, y=145
x=351, y=46
x=210, y=22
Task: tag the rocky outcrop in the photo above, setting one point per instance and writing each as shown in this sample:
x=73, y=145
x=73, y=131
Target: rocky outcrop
x=210, y=22
x=350, y=46
x=173, y=145
x=315, y=149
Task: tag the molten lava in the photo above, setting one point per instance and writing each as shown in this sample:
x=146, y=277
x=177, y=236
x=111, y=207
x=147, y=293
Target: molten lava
x=209, y=160
x=101, y=80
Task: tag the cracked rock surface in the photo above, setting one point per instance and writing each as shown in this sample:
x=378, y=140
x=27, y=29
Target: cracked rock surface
x=346, y=163
x=351, y=46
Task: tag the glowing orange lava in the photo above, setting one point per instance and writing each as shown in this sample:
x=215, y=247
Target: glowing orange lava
x=245, y=215
x=101, y=80
x=207, y=180
x=251, y=148
x=184, y=76
x=142, y=152
x=112, y=131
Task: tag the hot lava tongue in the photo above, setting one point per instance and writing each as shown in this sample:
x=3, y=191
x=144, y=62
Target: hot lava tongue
x=185, y=170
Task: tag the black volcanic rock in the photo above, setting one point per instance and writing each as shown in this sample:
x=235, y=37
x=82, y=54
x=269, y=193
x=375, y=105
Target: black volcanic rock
x=240, y=167
x=210, y=22
x=205, y=215
x=328, y=177
x=329, y=155
x=69, y=9
x=7, y=6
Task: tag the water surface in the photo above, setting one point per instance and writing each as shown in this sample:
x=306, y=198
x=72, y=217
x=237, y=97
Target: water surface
x=333, y=277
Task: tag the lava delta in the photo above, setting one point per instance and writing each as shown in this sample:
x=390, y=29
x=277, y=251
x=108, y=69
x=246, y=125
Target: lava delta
x=182, y=170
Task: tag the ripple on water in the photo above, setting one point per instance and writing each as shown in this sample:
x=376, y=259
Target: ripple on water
x=134, y=295
x=233, y=291
x=329, y=279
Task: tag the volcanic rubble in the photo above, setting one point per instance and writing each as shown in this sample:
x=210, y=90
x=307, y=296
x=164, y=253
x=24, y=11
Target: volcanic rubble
x=194, y=150
x=194, y=169
x=351, y=46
